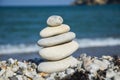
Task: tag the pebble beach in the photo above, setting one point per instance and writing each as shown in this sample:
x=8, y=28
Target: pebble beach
x=88, y=68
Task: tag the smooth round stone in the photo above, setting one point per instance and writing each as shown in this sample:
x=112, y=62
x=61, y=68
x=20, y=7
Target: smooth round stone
x=56, y=66
x=59, y=52
x=51, y=31
x=54, y=20
x=55, y=40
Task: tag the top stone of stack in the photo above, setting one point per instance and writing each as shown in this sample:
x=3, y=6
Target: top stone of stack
x=54, y=21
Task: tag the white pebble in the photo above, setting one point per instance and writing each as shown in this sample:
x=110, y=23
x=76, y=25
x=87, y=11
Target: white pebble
x=54, y=20
x=70, y=71
x=22, y=65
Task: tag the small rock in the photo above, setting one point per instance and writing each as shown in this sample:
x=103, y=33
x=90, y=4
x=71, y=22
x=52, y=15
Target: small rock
x=12, y=61
x=83, y=56
x=29, y=74
x=53, y=74
x=9, y=72
x=110, y=73
x=22, y=65
x=93, y=68
x=2, y=72
x=61, y=75
x=54, y=20
x=117, y=76
x=38, y=78
x=86, y=62
x=13, y=78
x=50, y=78
x=70, y=71
x=15, y=68
x=19, y=71
x=102, y=65
x=19, y=77
x=107, y=57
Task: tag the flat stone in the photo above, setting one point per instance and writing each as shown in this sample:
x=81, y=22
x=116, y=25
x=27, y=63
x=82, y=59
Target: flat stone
x=62, y=75
x=2, y=72
x=56, y=66
x=70, y=71
x=110, y=73
x=55, y=40
x=54, y=20
x=19, y=77
x=59, y=52
x=51, y=31
x=22, y=65
x=103, y=64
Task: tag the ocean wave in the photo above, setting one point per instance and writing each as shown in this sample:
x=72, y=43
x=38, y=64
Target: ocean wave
x=98, y=42
x=83, y=43
x=20, y=48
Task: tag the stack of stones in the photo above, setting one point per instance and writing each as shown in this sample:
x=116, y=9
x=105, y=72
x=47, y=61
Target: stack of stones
x=57, y=46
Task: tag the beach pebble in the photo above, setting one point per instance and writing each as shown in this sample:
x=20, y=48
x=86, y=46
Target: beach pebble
x=61, y=75
x=117, y=76
x=30, y=73
x=54, y=20
x=38, y=78
x=56, y=66
x=19, y=77
x=53, y=74
x=86, y=62
x=70, y=71
x=12, y=61
x=63, y=51
x=83, y=56
x=93, y=68
x=15, y=68
x=103, y=65
x=110, y=73
x=52, y=31
x=107, y=57
x=9, y=72
x=55, y=40
x=13, y=78
x=2, y=72
x=50, y=78
x=22, y=65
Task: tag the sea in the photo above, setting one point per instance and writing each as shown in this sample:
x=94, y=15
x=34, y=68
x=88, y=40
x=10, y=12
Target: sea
x=97, y=29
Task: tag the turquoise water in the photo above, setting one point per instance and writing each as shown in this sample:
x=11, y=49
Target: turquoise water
x=20, y=26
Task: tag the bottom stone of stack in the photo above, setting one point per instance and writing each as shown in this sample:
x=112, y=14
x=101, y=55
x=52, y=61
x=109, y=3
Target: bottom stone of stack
x=56, y=66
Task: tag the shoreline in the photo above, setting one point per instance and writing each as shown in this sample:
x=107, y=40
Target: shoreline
x=92, y=51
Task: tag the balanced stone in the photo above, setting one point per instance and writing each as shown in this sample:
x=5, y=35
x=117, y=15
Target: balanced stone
x=54, y=20
x=56, y=66
x=51, y=31
x=59, y=52
x=55, y=40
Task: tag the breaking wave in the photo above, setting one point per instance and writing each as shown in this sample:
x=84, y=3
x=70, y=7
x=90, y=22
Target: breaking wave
x=84, y=43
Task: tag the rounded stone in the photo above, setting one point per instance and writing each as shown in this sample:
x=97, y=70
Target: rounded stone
x=55, y=40
x=51, y=31
x=54, y=20
x=59, y=52
x=56, y=66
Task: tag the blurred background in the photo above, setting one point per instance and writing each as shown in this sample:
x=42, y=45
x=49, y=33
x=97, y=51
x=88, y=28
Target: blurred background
x=95, y=22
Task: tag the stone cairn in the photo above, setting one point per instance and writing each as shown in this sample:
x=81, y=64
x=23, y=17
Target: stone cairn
x=57, y=46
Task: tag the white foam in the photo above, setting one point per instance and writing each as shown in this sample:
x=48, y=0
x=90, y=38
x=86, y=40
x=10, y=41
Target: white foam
x=98, y=42
x=84, y=43
x=21, y=48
